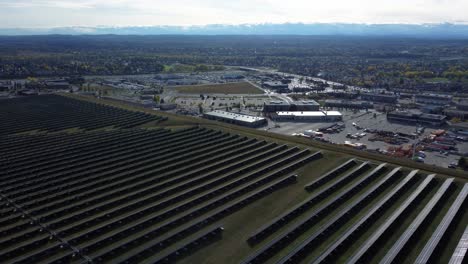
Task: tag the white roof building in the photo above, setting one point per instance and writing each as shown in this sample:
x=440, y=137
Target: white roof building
x=235, y=118
x=309, y=116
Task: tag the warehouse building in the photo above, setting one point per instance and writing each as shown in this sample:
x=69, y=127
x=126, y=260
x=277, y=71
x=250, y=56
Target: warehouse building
x=280, y=106
x=308, y=116
x=237, y=119
x=351, y=104
x=461, y=111
x=417, y=118
x=433, y=99
x=379, y=98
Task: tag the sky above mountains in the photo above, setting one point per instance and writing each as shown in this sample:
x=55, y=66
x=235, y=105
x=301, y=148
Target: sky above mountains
x=124, y=13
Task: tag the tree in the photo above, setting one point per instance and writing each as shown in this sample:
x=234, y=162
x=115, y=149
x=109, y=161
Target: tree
x=157, y=99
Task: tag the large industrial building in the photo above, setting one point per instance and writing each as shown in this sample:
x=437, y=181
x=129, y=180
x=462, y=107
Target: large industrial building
x=351, y=104
x=417, y=118
x=461, y=111
x=380, y=98
x=308, y=116
x=281, y=106
x=433, y=99
x=237, y=119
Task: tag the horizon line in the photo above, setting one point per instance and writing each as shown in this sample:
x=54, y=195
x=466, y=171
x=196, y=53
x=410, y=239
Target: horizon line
x=461, y=23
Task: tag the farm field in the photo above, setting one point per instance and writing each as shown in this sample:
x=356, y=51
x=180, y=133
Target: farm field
x=200, y=194
x=225, y=88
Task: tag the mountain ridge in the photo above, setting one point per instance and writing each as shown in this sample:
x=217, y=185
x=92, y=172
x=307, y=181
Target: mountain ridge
x=442, y=30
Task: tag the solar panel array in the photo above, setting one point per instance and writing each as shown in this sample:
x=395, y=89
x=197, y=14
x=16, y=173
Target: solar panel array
x=132, y=195
x=52, y=113
x=356, y=194
x=127, y=195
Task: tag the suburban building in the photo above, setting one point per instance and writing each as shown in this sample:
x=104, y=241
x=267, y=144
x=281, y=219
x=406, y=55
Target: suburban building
x=433, y=99
x=380, y=98
x=281, y=106
x=235, y=118
x=417, y=118
x=308, y=116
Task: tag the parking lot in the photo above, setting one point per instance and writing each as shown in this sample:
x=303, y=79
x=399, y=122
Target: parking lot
x=220, y=102
x=357, y=122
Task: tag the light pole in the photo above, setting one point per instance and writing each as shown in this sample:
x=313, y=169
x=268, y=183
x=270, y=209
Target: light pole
x=414, y=148
x=416, y=143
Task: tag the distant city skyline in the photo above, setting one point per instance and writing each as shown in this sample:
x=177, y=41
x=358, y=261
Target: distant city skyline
x=122, y=13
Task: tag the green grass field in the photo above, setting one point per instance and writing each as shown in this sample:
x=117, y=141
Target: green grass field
x=225, y=88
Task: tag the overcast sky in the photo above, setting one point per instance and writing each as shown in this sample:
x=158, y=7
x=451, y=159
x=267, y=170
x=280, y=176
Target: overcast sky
x=59, y=13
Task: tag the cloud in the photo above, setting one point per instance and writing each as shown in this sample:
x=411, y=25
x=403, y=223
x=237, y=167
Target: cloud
x=27, y=13
x=46, y=4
